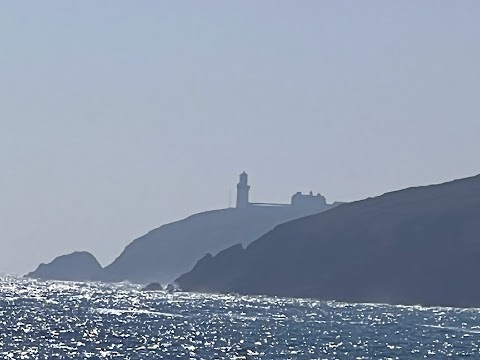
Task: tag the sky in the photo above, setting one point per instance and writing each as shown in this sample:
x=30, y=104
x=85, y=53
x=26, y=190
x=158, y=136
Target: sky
x=118, y=116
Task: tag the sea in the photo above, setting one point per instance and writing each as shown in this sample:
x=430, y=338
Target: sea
x=68, y=320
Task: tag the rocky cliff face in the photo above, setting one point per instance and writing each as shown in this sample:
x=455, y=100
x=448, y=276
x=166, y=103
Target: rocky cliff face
x=415, y=246
x=169, y=251
x=165, y=253
x=78, y=266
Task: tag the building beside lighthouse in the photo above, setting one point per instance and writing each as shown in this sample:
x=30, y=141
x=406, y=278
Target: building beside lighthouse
x=299, y=201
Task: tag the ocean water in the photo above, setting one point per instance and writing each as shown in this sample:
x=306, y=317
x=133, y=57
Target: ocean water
x=62, y=320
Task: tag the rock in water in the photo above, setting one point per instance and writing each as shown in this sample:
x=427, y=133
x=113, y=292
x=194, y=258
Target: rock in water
x=155, y=286
x=77, y=266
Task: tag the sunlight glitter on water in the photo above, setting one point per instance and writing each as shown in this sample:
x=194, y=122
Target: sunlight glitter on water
x=57, y=320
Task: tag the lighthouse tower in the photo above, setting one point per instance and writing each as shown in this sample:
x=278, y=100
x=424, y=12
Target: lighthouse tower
x=242, y=191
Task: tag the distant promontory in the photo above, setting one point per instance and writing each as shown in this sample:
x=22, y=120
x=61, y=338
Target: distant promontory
x=165, y=253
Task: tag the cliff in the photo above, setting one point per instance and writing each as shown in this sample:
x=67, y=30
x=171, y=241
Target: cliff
x=77, y=266
x=415, y=246
x=165, y=253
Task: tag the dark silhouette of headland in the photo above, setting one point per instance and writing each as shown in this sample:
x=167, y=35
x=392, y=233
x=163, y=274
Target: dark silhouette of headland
x=165, y=253
x=77, y=266
x=414, y=246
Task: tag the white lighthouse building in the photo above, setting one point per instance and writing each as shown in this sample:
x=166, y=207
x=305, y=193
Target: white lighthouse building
x=242, y=191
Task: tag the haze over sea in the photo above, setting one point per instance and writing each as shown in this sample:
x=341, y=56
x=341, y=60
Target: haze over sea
x=57, y=320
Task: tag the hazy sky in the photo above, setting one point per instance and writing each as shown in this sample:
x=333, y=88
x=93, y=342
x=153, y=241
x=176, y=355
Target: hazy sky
x=119, y=116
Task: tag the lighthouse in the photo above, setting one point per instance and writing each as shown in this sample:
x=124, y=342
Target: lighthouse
x=242, y=191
